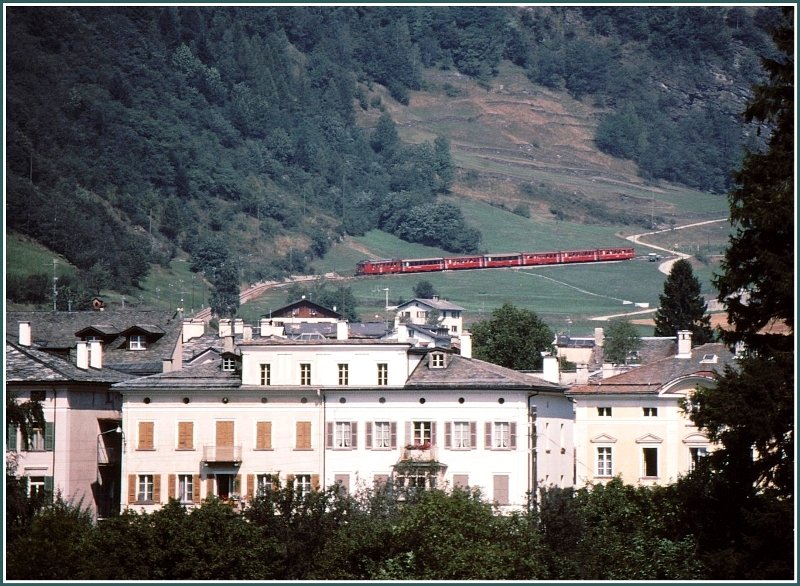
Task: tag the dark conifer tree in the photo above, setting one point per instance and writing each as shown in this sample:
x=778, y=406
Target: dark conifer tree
x=681, y=305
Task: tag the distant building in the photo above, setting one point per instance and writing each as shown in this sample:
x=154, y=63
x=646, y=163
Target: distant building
x=419, y=312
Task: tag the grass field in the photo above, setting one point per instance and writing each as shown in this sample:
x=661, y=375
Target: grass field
x=25, y=257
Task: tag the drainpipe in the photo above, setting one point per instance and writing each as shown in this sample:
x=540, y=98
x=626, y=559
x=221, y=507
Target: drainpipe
x=532, y=456
x=323, y=428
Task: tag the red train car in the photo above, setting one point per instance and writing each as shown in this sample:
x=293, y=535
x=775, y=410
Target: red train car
x=489, y=261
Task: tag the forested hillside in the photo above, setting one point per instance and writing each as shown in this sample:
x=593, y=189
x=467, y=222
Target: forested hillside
x=230, y=133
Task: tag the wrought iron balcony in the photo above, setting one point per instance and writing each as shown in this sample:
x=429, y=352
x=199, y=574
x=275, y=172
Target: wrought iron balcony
x=222, y=454
x=424, y=453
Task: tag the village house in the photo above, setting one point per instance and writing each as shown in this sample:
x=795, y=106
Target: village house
x=422, y=311
x=68, y=362
x=631, y=425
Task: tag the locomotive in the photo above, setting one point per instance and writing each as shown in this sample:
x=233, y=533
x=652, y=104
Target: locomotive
x=490, y=261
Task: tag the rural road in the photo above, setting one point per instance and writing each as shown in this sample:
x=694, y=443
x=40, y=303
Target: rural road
x=666, y=266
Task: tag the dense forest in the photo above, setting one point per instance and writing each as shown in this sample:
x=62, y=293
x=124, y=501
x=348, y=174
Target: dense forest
x=134, y=133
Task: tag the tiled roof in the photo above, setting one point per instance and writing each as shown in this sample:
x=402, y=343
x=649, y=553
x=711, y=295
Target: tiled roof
x=651, y=378
x=30, y=365
x=467, y=373
x=55, y=331
x=196, y=346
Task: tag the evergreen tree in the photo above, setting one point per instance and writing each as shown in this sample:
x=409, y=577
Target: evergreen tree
x=682, y=307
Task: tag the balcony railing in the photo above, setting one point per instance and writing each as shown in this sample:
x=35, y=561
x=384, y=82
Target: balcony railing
x=420, y=454
x=222, y=454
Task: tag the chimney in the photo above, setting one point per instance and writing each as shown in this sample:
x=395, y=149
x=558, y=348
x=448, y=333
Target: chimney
x=466, y=344
x=238, y=326
x=228, y=345
x=402, y=333
x=225, y=328
x=24, y=333
x=599, y=337
x=83, y=356
x=193, y=328
x=342, y=331
x=95, y=354
x=166, y=365
x=684, y=344
x=582, y=372
x=247, y=333
x=550, y=369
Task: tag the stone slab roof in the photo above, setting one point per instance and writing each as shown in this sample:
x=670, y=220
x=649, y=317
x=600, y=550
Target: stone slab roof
x=651, y=378
x=206, y=376
x=30, y=365
x=440, y=304
x=471, y=373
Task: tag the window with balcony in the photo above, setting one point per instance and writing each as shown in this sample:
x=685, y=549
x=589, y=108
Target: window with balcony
x=604, y=462
x=305, y=375
x=422, y=433
x=344, y=375
x=266, y=375
x=383, y=374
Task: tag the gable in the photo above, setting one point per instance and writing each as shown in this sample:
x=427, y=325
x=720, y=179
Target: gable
x=649, y=438
x=603, y=438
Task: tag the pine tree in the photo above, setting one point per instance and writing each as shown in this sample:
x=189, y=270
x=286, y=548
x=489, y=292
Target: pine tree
x=682, y=307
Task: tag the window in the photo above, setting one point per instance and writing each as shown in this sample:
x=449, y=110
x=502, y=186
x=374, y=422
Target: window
x=37, y=440
x=145, y=488
x=604, y=411
x=303, y=435
x=422, y=314
x=185, y=435
x=650, y=462
x=463, y=435
x=344, y=378
x=264, y=483
x=185, y=488
x=303, y=484
x=265, y=375
x=36, y=486
x=422, y=433
x=437, y=360
x=461, y=480
x=382, y=435
x=342, y=435
x=342, y=480
x=695, y=455
x=415, y=479
x=263, y=435
x=453, y=329
x=650, y=411
x=228, y=363
x=501, y=435
x=137, y=342
x=226, y=485
x=604, y=462
x=305, y=374
x=383, y=375
x=145, y=435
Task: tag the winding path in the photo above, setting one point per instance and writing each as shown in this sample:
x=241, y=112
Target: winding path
x=666, y=266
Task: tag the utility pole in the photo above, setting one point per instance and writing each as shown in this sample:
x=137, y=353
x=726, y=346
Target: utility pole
x=55, y=280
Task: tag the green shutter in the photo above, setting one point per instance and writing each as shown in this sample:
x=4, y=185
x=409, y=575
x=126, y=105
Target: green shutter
x=11, y=438
x=49, y=436
x=48, y=486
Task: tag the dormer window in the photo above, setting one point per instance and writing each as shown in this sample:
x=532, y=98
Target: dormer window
x=137, y=342
x=228, y=363
x=709, y=359
x=437, y=360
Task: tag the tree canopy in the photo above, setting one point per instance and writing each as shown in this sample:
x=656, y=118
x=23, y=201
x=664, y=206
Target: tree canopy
x=513, y=337
x=621, y=340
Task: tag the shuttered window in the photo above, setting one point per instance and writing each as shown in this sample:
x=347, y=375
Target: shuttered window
x=342, y=480
x=501, y=489
x=461, y=480
x=461, y=435
x=11, y=438
x=145, y=436
x=381, y=435
x=501, y=435
x=303, y=435
x=264, y=435
x=185, y=435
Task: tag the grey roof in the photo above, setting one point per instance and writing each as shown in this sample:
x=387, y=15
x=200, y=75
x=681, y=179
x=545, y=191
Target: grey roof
x=29, y=365
x=56, y=331
x=440, y=304
x=206, y=376
x=471, y=373
x=197, y=346
x=651, y=378
x=371, y=329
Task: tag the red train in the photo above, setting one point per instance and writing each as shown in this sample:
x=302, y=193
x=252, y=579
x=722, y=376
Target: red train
x=490, y=261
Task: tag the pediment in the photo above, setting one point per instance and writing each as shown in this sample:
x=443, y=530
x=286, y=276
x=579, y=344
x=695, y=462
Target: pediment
x=695, y=438
x=649, y=438
x=603, y=438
